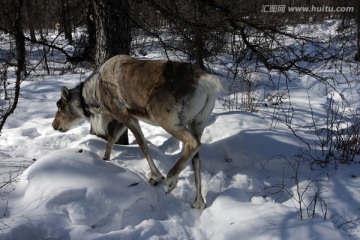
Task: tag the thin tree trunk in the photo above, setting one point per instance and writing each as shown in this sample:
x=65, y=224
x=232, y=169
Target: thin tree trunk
x=199, y=34
x=91, y=30
x=358, y=32
x=4, y=80
x=30, y=19
x=66, y=23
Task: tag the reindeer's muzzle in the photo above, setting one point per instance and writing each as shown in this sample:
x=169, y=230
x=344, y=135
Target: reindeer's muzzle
x=57, y=127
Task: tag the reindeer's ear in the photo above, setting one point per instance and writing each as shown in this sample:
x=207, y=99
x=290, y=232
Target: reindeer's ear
x=65, y=93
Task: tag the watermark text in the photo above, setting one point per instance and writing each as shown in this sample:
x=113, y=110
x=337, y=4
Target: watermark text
x=295, y=9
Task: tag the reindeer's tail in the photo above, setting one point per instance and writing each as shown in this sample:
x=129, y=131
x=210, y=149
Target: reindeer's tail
x=213, y=83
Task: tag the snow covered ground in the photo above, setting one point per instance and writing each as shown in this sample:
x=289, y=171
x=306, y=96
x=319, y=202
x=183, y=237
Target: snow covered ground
x=252, y=181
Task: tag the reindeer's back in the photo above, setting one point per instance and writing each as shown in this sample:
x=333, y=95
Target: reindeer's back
x=130, y=79
x=130, y=83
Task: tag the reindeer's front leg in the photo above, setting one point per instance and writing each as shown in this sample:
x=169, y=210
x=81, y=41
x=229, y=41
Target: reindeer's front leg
x=155, y=176
x=115, y=130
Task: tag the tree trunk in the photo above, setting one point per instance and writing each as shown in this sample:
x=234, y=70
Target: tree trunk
x=358, y=32
x=30, y=19
x=66, y=23
x=113, y=34
x=91, y=31
x=199, y=34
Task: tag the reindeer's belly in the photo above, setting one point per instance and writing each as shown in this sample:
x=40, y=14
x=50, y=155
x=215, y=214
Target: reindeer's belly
x=141, y=115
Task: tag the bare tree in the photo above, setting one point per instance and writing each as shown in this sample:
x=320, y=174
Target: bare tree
x=15, y=15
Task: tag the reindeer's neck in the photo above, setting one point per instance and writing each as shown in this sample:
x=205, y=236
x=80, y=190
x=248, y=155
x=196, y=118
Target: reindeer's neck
x=88, y=95
x=84, y=105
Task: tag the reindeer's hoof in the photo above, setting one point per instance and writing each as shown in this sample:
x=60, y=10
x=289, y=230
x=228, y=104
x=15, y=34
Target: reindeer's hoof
x=155, y=182
x=171, y=183
x=106, y=159
x=199, y=204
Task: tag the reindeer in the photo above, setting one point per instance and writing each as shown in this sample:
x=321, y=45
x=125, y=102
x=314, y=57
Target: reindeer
x=179, y=97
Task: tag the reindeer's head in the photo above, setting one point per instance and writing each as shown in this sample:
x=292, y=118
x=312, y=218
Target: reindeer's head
x=70, y=110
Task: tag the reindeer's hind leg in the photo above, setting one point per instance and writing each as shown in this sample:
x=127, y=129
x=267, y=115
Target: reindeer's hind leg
x=173, y=116
x=171, y=122
x=191, y=146
x=199, y=200
x=197, y=127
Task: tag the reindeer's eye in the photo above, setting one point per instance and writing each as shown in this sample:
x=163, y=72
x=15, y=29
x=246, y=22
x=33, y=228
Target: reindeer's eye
x=58, y=104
